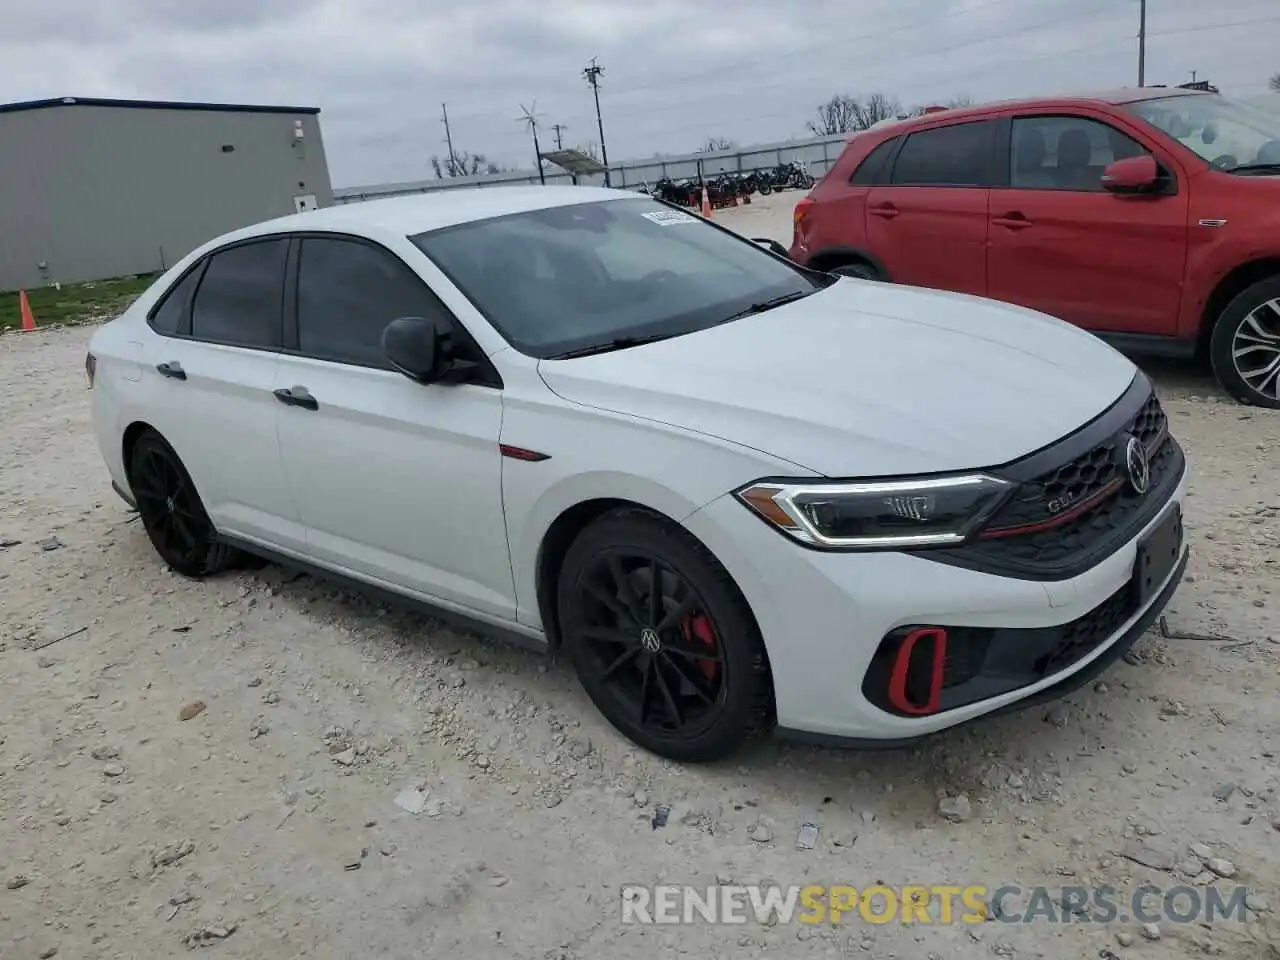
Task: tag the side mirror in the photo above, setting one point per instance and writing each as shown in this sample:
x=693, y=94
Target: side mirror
x=423, y=351
x=773, y=246
x=1131, y=175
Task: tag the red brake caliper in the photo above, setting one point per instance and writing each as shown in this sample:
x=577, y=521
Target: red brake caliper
x=698, y=632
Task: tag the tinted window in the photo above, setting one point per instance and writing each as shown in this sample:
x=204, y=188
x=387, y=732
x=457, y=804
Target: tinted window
x=1065, y=153
x=873, y=167
x=958, y=156
x=586, y=275
x=167, y=317
x=347, y=294
x=240, y=296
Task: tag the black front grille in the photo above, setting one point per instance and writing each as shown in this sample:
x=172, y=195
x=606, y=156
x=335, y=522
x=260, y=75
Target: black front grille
x=1074, y=505
x=1083, y=478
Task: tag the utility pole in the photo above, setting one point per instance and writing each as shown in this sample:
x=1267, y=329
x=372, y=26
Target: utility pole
x=1142, y=43
x=532, y=120
x=448, y=139
x=593, y=73
x=1193, y=76
x=558, y=128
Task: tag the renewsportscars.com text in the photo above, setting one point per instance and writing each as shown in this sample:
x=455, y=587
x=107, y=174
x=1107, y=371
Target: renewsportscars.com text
x=934, y=904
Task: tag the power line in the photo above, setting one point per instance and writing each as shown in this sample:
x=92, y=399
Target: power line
x=895, y=58
x=807, y=50
x=1214, y=26
x=932, y=54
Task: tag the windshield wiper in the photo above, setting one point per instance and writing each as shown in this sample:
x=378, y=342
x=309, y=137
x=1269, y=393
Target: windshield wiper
x=618, y=343
x=1256, y=167
x=769, y=304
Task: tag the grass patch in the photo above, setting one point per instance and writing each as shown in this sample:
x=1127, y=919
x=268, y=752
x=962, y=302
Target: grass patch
x=75, y=302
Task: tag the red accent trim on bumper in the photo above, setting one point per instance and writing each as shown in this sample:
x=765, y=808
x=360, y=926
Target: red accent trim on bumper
x=902, y=666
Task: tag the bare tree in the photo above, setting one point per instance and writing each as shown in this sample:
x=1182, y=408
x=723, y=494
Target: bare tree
x=462, y=164
x=714, y=144
x=1274, y=83
x=845, y=114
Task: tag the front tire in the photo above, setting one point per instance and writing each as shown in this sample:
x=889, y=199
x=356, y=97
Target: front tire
x=857, y=270
x=171, y=510
x=661, y=638
x=1244, y=347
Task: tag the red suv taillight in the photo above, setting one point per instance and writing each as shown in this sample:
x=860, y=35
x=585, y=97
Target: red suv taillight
x=797, y=233
x=802, y=209
x=90, y=367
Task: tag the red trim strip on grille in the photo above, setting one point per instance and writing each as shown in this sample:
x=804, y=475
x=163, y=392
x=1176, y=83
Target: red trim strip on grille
x=1082, y=507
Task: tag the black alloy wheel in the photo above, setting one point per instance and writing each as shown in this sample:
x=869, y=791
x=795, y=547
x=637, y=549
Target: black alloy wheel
x=171, y=510
x=661, y=639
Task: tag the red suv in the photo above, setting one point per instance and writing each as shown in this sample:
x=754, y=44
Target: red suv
x=1150, y=217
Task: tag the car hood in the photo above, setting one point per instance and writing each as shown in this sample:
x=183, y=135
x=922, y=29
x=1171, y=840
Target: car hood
x=865, y=379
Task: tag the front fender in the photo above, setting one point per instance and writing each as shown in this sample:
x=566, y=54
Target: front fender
x=662, y=468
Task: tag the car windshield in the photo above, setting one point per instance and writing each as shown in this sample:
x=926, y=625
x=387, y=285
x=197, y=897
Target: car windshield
x=1229, y=134
x=607, y=274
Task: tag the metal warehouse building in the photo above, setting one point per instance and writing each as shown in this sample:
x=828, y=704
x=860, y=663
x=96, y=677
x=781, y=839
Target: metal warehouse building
x=91, y=189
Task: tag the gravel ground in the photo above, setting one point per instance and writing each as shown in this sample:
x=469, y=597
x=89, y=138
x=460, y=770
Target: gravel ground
x=213, y=766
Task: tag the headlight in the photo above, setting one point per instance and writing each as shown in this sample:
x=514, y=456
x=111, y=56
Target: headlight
x=891, y=514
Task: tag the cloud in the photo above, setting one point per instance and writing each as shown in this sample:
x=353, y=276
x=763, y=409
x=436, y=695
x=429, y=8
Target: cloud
x=675, y=71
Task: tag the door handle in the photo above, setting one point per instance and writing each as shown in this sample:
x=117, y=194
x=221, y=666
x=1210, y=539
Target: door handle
x=1013, y=220
x=172, y=369
x=886, y=210
x=297, y=397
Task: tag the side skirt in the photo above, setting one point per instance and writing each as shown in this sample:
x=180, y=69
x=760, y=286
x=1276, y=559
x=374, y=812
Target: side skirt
x=455, y=618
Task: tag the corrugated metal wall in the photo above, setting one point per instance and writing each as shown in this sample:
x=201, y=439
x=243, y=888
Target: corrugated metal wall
x=94, y=191
x=818, y=154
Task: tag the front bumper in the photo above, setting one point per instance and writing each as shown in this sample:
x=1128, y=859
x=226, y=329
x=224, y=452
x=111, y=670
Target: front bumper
x=823, y=617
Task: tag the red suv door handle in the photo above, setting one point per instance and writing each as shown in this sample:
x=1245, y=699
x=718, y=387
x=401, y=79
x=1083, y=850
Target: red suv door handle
x=886, y=210
x=1013, y=220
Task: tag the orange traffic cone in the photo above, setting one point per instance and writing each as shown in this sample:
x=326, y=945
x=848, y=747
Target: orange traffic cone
x=706, y=203
x=24, y=309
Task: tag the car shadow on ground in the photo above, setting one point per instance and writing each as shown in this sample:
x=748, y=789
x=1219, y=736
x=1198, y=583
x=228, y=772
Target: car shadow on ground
x=1033, y=749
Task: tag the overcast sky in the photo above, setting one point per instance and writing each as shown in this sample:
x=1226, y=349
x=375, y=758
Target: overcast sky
x=676, y=71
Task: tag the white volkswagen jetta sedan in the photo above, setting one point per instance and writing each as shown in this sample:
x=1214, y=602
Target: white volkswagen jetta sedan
x=739, y=495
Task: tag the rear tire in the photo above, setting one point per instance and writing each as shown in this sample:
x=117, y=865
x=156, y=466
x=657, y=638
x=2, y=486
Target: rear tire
x=1244, y=347
x=857, y=270
x=172, y=512
x=681, y=669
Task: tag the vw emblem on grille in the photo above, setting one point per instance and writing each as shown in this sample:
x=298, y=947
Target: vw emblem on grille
x=649, y=639
x=1135, y=462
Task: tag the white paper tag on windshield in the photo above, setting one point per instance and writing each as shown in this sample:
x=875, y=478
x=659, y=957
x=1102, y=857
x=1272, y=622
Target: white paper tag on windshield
x=668, y=218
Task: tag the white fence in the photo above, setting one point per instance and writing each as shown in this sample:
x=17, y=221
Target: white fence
x=817, y=154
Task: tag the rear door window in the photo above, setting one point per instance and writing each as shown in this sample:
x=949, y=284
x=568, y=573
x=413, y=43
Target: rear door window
x=874, y=167
x=960, y=155
x=167, y=318
x=241, y=297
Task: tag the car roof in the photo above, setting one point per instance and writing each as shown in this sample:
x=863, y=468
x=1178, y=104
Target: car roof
x=419, y=213
x=1115, y=97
